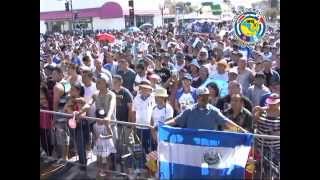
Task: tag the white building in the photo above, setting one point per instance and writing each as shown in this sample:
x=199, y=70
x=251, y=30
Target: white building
x=97, y=14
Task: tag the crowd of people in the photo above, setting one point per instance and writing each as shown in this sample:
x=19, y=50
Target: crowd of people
x=150, y=78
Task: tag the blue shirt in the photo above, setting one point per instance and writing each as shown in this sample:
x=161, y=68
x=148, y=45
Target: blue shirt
x=76, y=61
x=201, y=118
x=56, y=60
x=192, y=91
x=246, y=49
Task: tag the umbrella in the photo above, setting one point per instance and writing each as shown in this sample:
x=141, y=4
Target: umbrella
x=146, y=25
x=106, y=37
x=133, y=29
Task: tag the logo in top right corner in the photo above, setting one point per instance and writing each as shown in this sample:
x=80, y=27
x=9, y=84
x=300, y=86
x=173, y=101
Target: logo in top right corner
x=249, y=26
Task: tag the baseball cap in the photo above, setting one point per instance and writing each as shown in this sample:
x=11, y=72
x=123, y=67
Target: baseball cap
x=203, y=50
x=187, y=76
x=202, y=91
x=179, y=56
x=234, y=71
x=100, y=113
x=195, y=63
x=274, y=98
x=104, y=77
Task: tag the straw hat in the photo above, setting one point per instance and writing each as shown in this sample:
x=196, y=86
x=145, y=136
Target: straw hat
x=224, y=63
x=160, y=92
x=145, y=84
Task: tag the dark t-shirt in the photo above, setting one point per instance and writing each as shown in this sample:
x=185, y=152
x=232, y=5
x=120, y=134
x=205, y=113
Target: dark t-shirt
x=197, y=83
x=272, y=77
x=224, y=103
x=123, y=98
x=128, y=79
x=164, y=74
x=244, y=119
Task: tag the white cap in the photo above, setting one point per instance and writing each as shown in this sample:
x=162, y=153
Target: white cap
x=104, y=77
x=204, y=50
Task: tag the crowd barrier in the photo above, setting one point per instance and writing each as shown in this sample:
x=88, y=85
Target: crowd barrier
x=259, y=166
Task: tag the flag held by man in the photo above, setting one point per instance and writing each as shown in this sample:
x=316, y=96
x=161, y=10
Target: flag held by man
x=202, y=154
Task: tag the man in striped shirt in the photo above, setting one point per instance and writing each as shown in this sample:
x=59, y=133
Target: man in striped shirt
x=268, y=123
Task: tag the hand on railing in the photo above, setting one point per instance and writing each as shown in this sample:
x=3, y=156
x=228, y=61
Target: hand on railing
x=73, y=121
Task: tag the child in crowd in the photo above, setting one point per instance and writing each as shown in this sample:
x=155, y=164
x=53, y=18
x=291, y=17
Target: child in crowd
x=103, y=142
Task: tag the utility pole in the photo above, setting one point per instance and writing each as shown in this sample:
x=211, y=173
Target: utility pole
x=68, y=7
x=131, y=13
x=72, y=19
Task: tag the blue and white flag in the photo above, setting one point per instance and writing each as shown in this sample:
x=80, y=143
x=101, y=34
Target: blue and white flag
x=202, y=154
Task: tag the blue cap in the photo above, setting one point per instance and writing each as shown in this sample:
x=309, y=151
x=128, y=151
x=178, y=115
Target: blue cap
x=187, y=76
x=195, y=62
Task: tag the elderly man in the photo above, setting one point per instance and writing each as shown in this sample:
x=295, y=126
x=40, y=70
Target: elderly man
x=239, y=114
x=142, y=107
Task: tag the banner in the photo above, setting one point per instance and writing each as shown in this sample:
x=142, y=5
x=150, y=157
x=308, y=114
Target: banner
x=202, y=154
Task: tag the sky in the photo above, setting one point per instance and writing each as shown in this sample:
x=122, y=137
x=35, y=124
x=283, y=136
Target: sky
x=56, y=5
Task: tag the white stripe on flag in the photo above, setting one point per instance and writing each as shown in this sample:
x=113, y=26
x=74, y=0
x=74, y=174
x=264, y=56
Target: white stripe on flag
x=194, y=155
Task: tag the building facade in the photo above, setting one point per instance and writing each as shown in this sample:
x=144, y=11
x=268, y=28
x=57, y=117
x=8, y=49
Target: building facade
x=111, y=15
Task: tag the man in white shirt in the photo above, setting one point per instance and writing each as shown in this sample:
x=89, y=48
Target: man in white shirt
x=142, y=107
x=163, y=110
x=180, y=61
x=89, y=89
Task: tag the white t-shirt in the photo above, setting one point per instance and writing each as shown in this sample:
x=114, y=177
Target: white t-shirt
x=143, y=109
x=212, y=68
x=186, y=100
x=88, y=92
x=138, y=80
x=178, y=67
x=162, y=114
x=163, y=44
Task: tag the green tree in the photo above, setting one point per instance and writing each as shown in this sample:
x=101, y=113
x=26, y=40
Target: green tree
x=216, y=9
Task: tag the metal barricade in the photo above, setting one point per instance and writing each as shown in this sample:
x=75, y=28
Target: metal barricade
x=263, y=166
x=134, y=155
